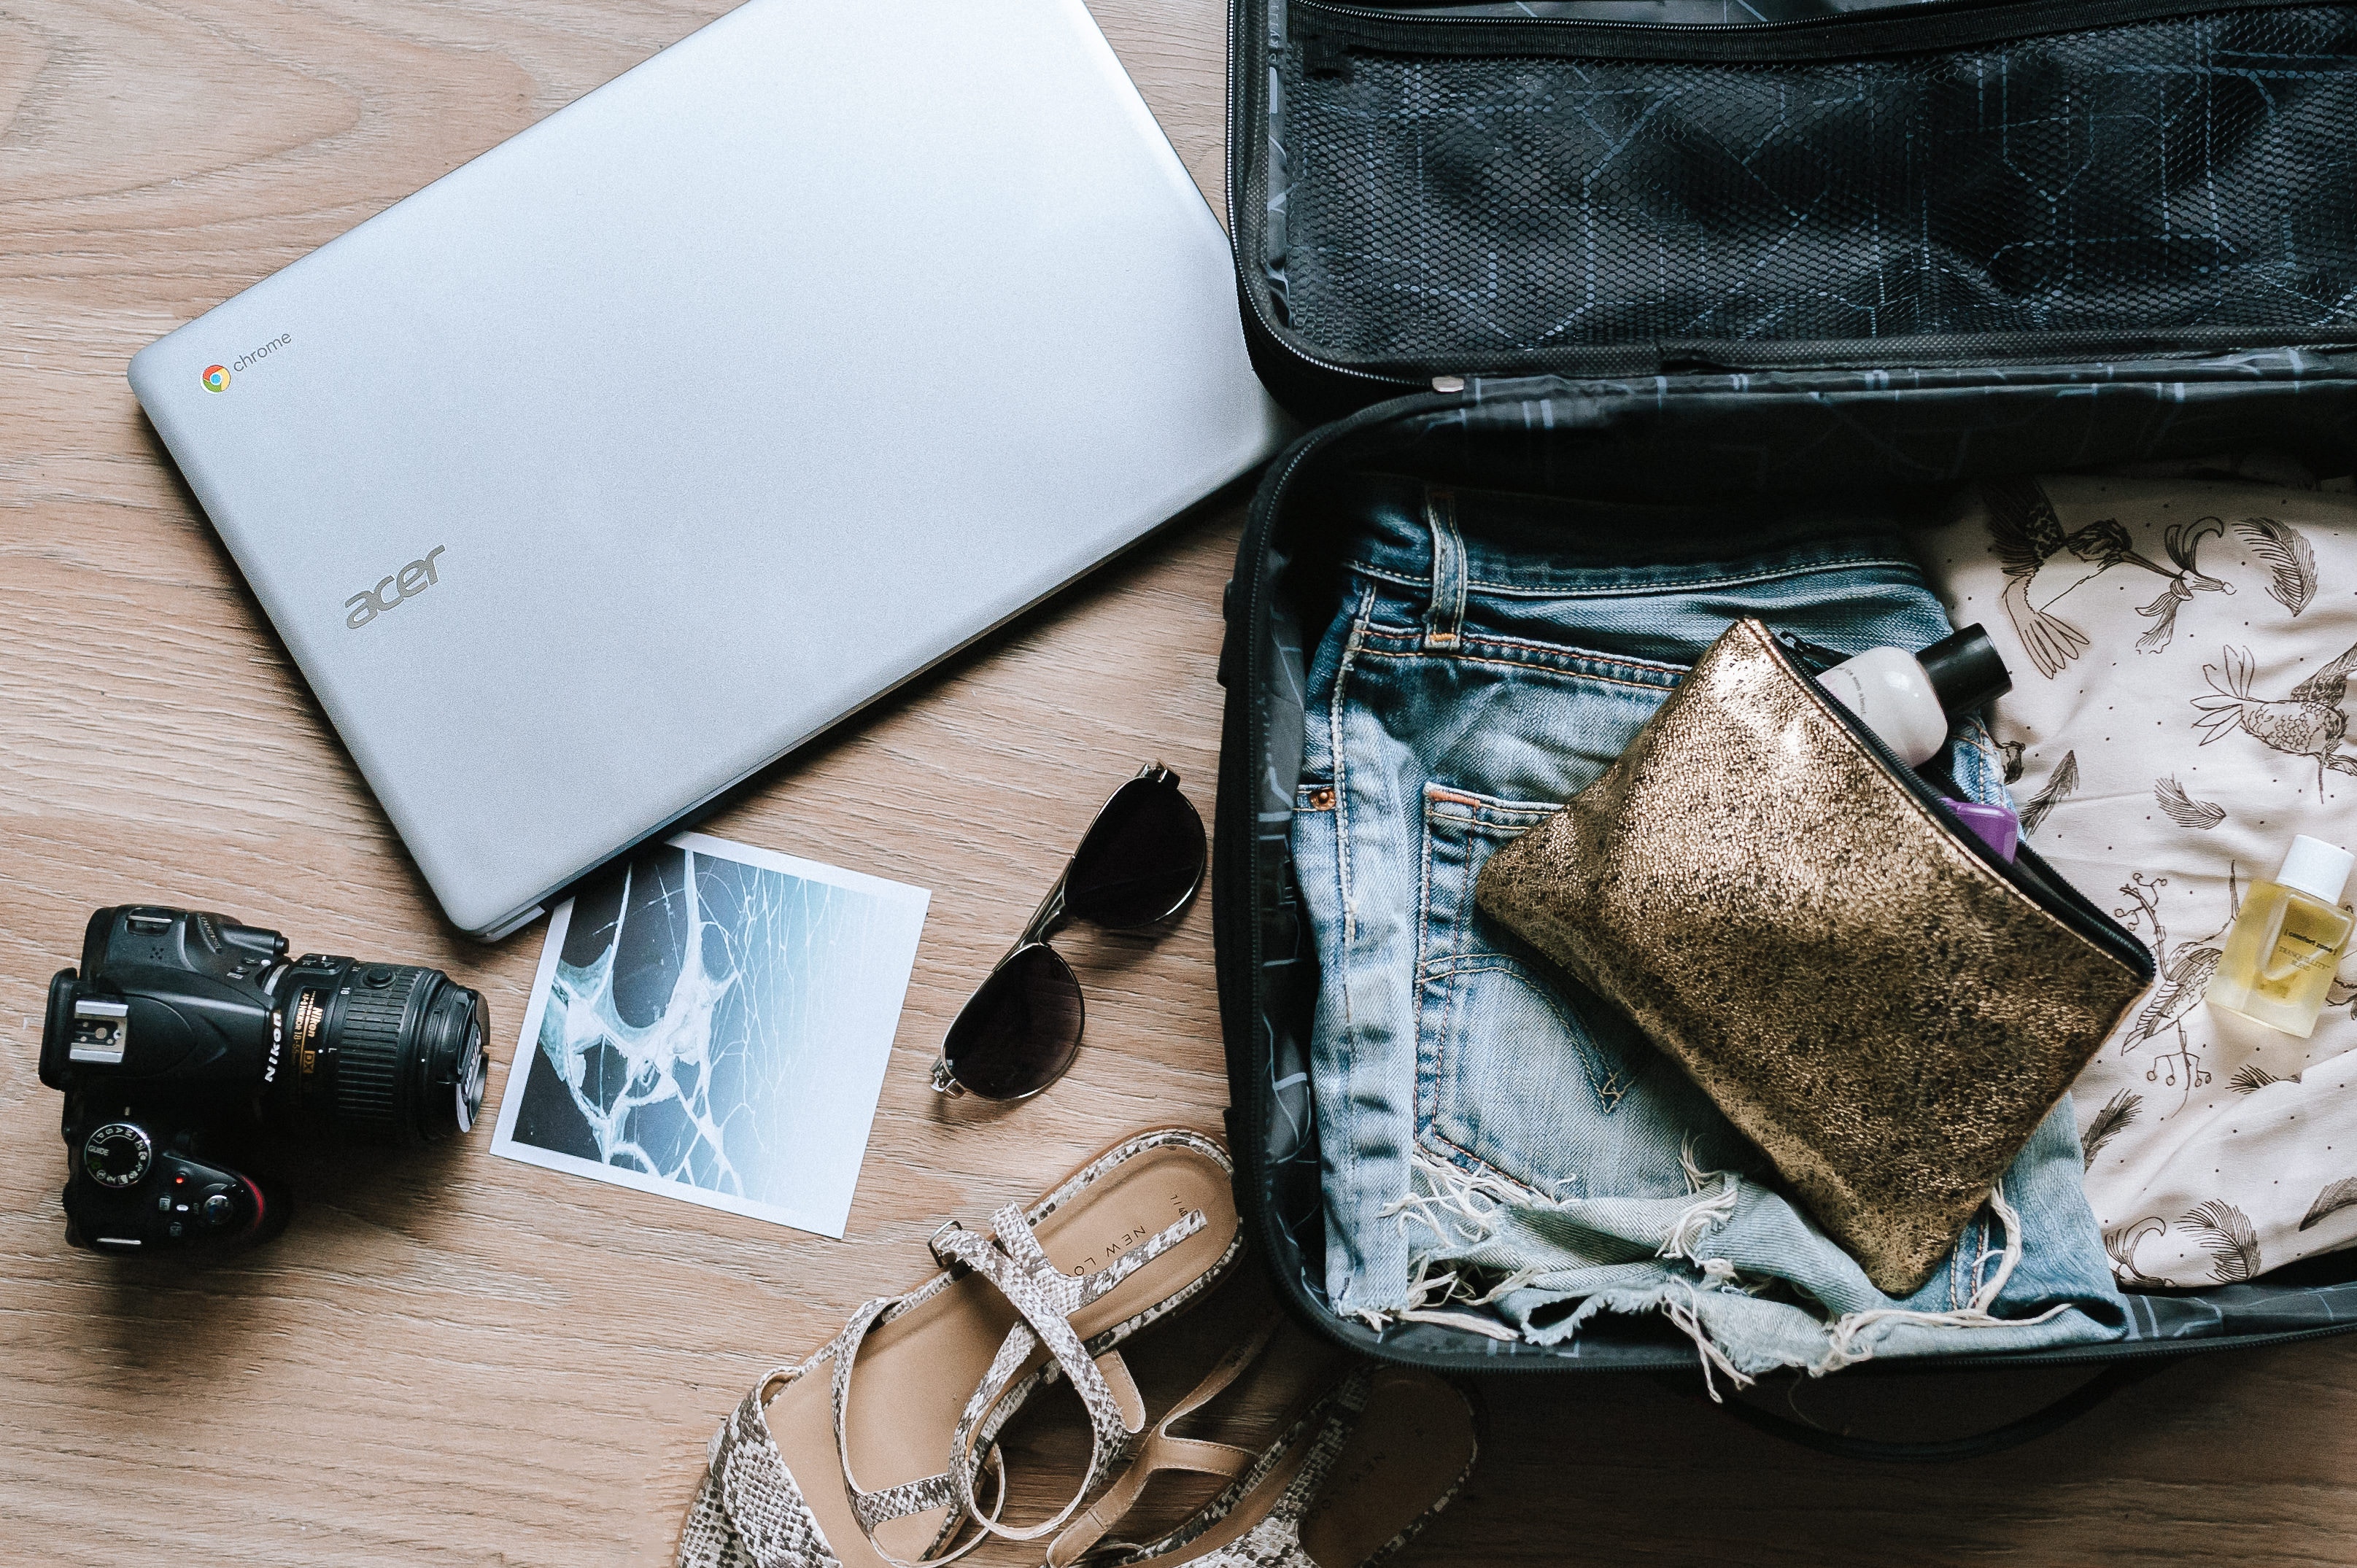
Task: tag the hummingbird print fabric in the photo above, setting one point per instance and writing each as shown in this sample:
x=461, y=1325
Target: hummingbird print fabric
x=2181, y=644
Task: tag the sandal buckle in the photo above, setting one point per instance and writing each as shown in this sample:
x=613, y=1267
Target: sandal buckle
x=934, y=1243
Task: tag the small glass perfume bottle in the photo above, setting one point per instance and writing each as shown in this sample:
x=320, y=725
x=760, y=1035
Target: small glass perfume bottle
x=2287, y=941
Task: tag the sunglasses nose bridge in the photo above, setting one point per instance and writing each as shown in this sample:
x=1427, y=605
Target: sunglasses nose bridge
x=1048, y=919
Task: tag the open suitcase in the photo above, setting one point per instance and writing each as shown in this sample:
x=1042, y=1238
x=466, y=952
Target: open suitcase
x=1643, y=249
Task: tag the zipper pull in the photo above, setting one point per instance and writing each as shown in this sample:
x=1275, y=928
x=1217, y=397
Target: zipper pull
x=1816, y=660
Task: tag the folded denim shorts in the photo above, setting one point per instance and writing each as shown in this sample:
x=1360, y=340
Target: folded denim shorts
x=1502, y=1151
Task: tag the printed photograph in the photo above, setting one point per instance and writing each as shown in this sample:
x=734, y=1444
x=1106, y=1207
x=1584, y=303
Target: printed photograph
x=712, y=1022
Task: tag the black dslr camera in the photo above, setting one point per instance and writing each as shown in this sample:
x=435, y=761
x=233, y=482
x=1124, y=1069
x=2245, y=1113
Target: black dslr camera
x=183, y=1032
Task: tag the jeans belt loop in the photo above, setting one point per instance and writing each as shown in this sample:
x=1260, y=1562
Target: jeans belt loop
x=1446, y=617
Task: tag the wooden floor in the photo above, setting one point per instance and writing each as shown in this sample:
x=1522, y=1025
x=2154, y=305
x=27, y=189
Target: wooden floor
x=454, y=1358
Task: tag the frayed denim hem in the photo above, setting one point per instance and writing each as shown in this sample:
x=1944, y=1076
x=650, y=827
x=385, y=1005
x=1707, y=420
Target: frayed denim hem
x=1456, y=1281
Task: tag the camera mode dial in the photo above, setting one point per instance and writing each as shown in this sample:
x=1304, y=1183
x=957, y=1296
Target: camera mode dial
x=118, y=1155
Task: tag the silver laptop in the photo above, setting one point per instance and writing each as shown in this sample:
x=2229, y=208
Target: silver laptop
x=606, y=469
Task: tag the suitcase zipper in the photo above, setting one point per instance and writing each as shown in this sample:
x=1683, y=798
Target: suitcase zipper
x=1258, y=319
x=1926, y=26
x=1330, y=367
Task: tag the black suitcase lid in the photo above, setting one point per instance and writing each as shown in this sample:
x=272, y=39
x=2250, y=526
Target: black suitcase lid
x=1517, y=186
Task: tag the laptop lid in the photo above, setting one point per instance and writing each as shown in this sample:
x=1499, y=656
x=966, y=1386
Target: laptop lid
x=607, y=468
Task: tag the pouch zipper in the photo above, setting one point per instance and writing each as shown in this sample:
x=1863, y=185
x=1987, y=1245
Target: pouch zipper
x=1926, y=26
x=2035, y=881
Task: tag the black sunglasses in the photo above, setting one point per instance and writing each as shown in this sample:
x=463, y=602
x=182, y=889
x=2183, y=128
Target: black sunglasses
x=1140, y=861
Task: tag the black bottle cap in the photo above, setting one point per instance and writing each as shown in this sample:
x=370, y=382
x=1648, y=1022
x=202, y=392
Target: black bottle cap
x=1966, y=672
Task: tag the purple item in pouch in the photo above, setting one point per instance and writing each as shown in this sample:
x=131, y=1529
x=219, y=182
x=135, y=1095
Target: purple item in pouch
x=1994, y=825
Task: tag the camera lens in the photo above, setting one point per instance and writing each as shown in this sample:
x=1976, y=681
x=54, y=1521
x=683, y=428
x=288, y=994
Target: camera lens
x=450, y=1064
x=403, y=1050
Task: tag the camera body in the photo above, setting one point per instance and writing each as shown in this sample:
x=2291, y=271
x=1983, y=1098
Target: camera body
x=183, y=1034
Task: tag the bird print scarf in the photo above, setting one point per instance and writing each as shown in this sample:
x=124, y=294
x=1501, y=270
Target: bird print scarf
x=2181, y=647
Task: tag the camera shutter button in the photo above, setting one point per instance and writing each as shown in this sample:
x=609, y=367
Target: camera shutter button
x=218, y=1209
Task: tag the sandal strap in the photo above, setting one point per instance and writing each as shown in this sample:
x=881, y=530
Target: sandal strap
x=886, y=1504
x=757, y=1492
x=750, y=1508
x=1045, y=1297
x=954, y=1524
x=880, y=1507
x=844, y=1349
x=1160, y=1451
x=1277, y=1539
x=986, y=1439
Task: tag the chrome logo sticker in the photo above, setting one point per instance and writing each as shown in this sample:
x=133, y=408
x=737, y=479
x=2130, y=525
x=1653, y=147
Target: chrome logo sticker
x=216, y=378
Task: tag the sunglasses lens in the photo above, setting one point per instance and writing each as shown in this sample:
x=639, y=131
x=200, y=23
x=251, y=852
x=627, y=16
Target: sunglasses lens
x=1142, y=859
x=1019, y=1032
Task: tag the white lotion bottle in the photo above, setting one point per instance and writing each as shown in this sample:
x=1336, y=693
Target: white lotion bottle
x=1909, y=698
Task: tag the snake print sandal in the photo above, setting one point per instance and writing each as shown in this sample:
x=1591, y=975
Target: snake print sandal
x=1367, y=1457
x=814, y=1471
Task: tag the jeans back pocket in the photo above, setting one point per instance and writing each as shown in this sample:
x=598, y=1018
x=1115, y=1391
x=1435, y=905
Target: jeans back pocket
x=1521, y=1072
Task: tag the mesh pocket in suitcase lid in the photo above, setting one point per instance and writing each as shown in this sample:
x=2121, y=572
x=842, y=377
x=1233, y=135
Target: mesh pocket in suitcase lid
x=1489, y=210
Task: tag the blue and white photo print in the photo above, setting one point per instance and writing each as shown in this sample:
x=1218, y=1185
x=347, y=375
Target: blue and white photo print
x=712, y=1022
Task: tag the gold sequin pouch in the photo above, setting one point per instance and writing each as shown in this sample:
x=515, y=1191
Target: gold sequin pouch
x=1870, y=993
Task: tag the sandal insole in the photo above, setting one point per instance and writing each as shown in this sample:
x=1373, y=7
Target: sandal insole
x=1412, y=1444
x=914, y=1375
